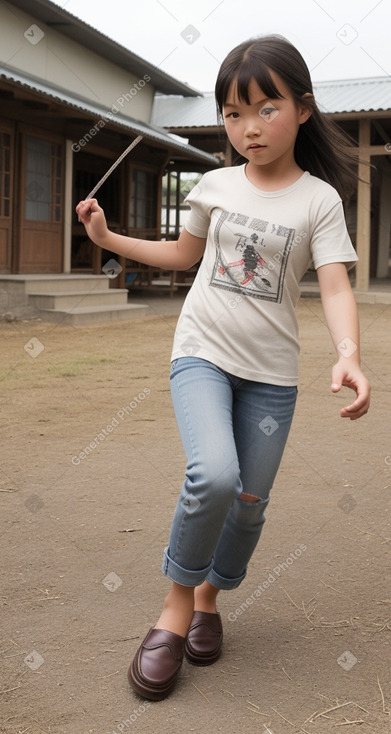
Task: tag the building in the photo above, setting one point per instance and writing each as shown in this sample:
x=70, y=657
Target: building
x=71, y=101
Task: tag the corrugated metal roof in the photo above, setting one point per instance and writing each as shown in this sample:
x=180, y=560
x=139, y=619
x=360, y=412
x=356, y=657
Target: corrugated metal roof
x=346, y=95
x=169, y=111
x=354, y=95
x=150, y=132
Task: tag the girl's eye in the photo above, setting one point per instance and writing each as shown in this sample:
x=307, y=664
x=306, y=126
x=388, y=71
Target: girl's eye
x=268, y=113
x=234, y=115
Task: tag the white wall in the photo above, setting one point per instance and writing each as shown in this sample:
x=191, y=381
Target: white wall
x=37, y=50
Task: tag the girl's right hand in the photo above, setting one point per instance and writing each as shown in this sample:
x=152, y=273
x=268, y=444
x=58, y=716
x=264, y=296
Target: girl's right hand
x=92, y=216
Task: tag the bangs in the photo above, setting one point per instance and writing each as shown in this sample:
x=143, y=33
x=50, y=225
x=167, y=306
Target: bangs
x=250, y=68
x=262, y=76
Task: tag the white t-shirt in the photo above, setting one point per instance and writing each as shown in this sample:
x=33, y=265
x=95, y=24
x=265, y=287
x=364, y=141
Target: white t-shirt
x=240, y=311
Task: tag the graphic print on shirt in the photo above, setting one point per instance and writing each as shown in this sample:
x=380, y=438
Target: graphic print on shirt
x=251, y=256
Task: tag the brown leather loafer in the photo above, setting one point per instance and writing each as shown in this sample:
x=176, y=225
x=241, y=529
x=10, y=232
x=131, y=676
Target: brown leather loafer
x=156, y=664
x=203, y=642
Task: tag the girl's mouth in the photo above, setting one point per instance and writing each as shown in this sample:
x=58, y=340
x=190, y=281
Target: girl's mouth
x=255, y=146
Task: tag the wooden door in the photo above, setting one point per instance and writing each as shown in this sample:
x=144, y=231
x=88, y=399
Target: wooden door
x=40, y=246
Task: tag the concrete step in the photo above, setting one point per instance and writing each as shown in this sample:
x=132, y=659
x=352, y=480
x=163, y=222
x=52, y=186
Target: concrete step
x=72, y=299
x=63, y=282
x=66, y=298
x=93, y=314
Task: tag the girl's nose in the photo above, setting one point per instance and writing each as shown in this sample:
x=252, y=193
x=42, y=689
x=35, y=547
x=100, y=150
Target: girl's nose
x=254, y=126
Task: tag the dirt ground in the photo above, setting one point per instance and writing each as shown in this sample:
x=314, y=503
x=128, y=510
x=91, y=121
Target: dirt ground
x=92, y=465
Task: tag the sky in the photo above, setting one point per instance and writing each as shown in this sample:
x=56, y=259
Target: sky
x=339, y=39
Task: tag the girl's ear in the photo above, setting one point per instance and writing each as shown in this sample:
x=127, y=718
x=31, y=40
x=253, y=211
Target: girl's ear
x=306, y=107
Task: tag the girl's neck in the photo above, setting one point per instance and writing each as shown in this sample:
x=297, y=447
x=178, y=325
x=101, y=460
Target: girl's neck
x=273, y=177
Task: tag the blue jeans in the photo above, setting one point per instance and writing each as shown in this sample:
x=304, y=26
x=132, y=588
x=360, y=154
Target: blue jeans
x=234, y=433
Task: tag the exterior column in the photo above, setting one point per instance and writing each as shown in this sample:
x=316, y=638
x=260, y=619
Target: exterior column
x=228, y=154
x=363, y=241
x=383, y=249
x=68, y=203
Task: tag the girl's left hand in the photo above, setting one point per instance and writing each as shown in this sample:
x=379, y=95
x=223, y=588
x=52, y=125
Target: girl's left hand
x=345, y=374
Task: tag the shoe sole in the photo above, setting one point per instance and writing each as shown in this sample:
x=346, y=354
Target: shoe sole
x=142, y=688
x=201, y=660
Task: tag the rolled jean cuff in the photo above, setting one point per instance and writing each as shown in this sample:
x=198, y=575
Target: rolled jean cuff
x=182, y=575
x=219, y=582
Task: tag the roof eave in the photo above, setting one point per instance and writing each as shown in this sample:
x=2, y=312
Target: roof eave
x=158, y=137
x=358, y=114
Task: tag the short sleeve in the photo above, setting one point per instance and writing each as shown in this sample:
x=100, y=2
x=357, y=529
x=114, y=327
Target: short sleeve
x=330, y=241
x=198, y=218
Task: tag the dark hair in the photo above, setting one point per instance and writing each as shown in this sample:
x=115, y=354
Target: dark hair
x=321, y=147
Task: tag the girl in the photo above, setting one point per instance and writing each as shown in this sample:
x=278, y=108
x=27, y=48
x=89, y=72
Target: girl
x=234, y=368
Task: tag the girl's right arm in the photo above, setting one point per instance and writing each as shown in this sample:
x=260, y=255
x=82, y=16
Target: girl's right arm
x=180, y=254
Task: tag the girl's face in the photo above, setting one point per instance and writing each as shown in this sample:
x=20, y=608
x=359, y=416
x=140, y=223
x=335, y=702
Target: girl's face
x=265, y=130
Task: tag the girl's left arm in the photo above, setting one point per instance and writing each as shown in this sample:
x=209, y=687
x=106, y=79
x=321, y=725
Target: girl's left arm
x=341, y=315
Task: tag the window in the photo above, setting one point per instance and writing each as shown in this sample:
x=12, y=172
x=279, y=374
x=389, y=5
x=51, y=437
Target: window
x=176, y=187
x=143, y=196
x=5, y=174
x=43, y=187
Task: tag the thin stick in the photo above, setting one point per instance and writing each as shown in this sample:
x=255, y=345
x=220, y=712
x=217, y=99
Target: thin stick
x=337, y=590
x=382, y=695
x=290, y=599
x=310, y=717
x=330, y=587
x=202, y=694
x=283, y=717
x=107, y=676
x=360, y=707
x=224, y=690
x=313, y=597
x=117, y=162
x=340, y=706
x=7, y=690
x=255, y=711
x=228, y=672
x=308, y=614
x=258, y=710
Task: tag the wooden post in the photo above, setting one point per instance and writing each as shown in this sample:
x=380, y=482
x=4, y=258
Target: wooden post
x=383, y=250
x=228, y=153
x=363, y=242
x=120, y=281
x=168, y=204
x=177, y=203
x=68, y=207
